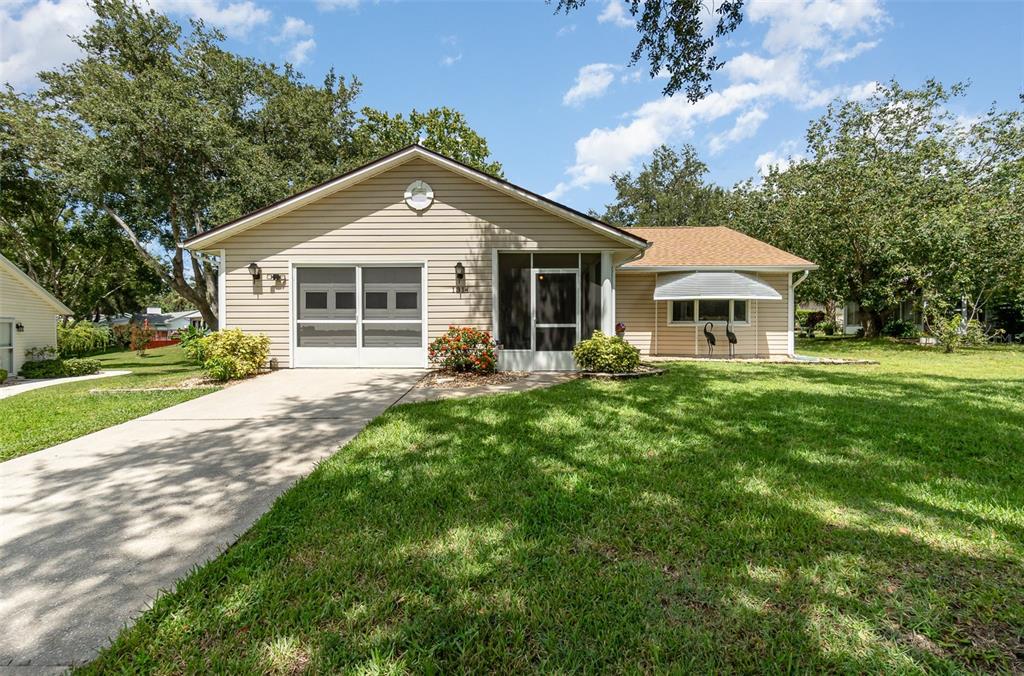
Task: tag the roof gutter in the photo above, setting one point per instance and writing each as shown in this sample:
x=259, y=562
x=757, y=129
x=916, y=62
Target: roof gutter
x=801, y=280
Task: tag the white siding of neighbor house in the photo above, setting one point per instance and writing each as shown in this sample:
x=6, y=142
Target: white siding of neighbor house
x=647, y=322
x=22, y=303
x=370, y=222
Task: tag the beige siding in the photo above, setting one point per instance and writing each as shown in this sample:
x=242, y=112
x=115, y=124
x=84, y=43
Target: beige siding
x=370, y=222
x=766, y=334
x=22, y=303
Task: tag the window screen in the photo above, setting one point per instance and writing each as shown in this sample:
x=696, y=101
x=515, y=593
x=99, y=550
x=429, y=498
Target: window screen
x=714, y=310
x=392, y=293
x=326, y=293
x=514, y=301
x=739, y=310
x=590, y=291
x=682, y=310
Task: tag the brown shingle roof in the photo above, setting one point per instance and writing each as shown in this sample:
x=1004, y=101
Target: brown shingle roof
x=710, y=246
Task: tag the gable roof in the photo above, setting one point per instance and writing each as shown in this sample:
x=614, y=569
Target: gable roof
x=208, y=239
x=61, y=308
x=711, y=247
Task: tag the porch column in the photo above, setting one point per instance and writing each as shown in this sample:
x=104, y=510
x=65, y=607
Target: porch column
x=607, y=293
x=222, y=292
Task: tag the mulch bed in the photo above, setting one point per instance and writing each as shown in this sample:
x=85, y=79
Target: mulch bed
x=642, y=372
x=442, y=380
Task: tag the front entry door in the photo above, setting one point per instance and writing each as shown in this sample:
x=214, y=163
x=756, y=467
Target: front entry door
x=556, y=318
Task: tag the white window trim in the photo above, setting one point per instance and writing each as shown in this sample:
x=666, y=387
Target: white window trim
x=14, y=341
x=696, y=313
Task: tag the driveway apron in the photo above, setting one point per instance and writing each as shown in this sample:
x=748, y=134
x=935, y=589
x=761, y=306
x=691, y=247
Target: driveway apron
x=93, y=529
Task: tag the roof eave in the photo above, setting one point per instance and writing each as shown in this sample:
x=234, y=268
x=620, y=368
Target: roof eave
x=738, y=266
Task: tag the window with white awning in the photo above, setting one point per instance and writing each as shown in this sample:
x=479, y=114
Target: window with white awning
x=712, y=286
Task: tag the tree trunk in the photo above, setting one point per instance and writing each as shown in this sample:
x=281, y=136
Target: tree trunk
x=872, y=322
x=176, y=278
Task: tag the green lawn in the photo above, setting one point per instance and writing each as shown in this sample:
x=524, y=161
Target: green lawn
x=41, y=418
x=724, y=517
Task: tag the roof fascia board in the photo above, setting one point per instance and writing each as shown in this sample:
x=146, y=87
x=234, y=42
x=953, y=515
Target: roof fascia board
x=717, y=268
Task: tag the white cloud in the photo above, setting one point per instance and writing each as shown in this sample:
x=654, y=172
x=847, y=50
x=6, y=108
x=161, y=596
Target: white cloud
x=631, y=76
x=451, y=59
x=450, y=40
x=615, y=13
x=745, y=127
x=331, y=5
x=814, y=24
x=592, y=81
x=565, y=30
x=841, y=55
x=782, y=158
x=293, y=28
x=299, y=53
x=234, y=18
x=37, y=38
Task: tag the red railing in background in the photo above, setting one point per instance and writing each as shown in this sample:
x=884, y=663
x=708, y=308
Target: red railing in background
x=161, y=342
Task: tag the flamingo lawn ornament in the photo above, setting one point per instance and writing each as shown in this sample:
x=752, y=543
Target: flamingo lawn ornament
x=710, y=337
x=732, y=340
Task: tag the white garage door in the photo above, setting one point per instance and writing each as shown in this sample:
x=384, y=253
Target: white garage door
x=360, y=315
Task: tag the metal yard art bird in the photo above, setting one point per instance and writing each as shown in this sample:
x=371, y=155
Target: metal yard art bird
x=732, y=340
x=710, y=337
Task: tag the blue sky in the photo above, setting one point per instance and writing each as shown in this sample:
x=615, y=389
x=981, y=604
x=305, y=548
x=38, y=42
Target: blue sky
x=552, y=94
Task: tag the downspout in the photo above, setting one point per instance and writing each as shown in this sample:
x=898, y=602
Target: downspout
x=792, y=308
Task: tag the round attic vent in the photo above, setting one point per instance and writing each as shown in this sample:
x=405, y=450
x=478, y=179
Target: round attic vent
x=419, y=195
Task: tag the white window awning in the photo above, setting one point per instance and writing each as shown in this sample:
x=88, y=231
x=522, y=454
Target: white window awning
x=712, y=286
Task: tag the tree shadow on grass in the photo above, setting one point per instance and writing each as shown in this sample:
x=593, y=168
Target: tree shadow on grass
x=683, y=522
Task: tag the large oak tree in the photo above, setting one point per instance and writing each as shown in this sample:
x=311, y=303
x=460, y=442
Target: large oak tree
x=165, y=133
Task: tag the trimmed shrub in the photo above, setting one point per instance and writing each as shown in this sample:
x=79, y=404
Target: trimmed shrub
x=59, y=368
x=232, y=353
x=464, y=349
x=81, y=367
x=828, y=327
x=43, y=368
x=899, y=328
x=81, y=338
x=3, y=376
x=606, y=354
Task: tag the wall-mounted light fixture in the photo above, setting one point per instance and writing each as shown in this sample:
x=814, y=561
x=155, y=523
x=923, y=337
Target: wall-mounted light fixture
x=254, y=270
x=460, y=277
x=19, y=327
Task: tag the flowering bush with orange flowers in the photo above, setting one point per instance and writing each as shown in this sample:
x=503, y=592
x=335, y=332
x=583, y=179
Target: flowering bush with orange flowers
x=464, y=349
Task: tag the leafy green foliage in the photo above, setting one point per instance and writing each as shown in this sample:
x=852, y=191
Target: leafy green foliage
x=231, y=353
x=59, y=368
x=725, y=518
x=464, y=349
x=41, y=352
x=602, y=353
x=121, y=335
x=900, y=328
x=49, y=416
x=899, y=199
x=161, y=133
x=3, y=376
x=139, y=335
x=670, y=190
x=192, y=342
x=955, y=332
x=673, y=39
x=81, y=338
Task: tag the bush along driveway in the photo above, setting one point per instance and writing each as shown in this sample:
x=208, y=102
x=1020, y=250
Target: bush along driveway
x=49, y=416
x=723, y=517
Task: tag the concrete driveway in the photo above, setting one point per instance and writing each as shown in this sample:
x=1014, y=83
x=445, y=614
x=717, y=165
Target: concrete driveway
x=93, y=529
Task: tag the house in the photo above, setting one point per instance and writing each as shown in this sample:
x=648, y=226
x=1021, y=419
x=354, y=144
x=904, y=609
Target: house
x=28, y=316
x=847, y=315
x=365, y=269
x=164, y=324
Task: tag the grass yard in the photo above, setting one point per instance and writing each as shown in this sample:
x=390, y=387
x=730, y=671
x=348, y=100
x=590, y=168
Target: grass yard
x=735, y=517
x=41, y=418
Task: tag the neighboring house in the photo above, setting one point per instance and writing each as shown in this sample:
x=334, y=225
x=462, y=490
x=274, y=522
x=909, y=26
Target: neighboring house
x=28, y=316
x=165, y=324
x=848, y=314
x=365, y=269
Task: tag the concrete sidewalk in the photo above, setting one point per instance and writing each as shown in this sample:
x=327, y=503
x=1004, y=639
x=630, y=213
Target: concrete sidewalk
x=93, y=529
